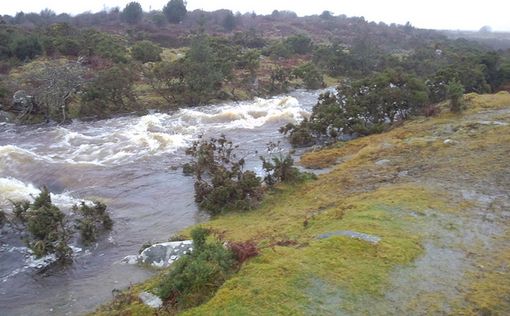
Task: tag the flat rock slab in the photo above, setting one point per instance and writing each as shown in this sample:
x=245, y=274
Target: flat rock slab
x=161, y=255
x=352, y=234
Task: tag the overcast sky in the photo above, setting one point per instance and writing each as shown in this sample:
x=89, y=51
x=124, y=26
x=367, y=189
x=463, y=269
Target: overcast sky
x=438, y=14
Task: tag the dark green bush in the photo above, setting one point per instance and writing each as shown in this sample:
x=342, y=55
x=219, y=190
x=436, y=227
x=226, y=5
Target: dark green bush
x=221, y=184
x=93, y=220
x=362, y=107
x=175, y=11
x=20, y=209
x=299, y=136
x=299, y=44
x=104, y=45
x=280, y=78
x=26, y=47
x=111, y=91
x=311, y=76
x=47, y=227
x=68, y=46
x=455, y=91
x=195, y=277
x=3, y=218
x=146, y=51
x=279, y=167
x=278, y=50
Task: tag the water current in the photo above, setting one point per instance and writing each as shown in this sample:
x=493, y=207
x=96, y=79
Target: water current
x=132, y=164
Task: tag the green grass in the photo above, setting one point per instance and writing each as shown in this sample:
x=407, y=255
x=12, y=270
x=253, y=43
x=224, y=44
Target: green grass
x=298, y=274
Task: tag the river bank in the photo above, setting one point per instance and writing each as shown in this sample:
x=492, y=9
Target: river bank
x=411, y=221
x=132, y=164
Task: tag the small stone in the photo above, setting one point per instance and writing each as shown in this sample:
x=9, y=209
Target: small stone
x=403, y=173
x=150, y=300
x=449, y=142
x=382, y=162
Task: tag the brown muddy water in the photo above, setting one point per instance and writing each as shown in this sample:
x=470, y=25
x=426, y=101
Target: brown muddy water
x=131, y=164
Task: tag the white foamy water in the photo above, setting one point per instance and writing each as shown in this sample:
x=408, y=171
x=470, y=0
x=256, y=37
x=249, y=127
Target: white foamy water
x=126, y=162
x=124, y=140
x=12, y=189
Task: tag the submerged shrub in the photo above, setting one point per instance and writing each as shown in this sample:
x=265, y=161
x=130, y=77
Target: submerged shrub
x=3, y=218
x=20, y=209
x=46, y=225
x=94, y=219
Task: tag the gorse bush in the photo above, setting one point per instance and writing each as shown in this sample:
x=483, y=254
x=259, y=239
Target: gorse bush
x=312, y=77
x=361, y=107
x=146, y=51
x=19, y=209
x=93, y=219
x=48, y=227
x=221, y=183
x=455, y=91
x=279, y=167
x=195, y=277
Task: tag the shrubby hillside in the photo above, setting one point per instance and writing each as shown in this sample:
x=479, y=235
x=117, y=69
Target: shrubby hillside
x=59, y=67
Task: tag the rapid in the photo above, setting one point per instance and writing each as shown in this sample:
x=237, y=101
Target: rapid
x=131, y=163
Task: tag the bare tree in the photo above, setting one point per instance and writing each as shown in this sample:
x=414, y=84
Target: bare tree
x=52, y=84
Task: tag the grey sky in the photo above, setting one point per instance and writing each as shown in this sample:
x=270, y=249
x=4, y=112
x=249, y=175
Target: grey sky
x=439, y=14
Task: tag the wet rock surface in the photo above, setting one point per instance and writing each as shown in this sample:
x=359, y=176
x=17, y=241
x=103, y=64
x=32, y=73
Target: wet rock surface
x=150, y=300
x=161, y=255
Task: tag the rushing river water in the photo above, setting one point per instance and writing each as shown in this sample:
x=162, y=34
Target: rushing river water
x=130, y=164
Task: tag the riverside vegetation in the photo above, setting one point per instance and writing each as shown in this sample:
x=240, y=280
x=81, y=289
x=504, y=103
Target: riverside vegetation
x=48, y=231
x=95, y=65
x=407, y=236
x=424, y=261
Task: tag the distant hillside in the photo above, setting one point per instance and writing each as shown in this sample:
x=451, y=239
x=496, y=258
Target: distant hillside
x=494, y=40
x=93, y=65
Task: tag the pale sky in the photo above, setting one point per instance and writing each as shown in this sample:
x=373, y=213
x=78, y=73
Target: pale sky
x=438, y=14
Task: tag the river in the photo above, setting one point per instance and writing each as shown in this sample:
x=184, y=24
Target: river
x=132, y=164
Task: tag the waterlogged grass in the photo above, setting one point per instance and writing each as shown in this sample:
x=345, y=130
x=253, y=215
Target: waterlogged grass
x=280, y=280
x=431, y=186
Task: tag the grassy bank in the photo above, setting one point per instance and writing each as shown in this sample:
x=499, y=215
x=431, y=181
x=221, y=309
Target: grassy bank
x=434, y=190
